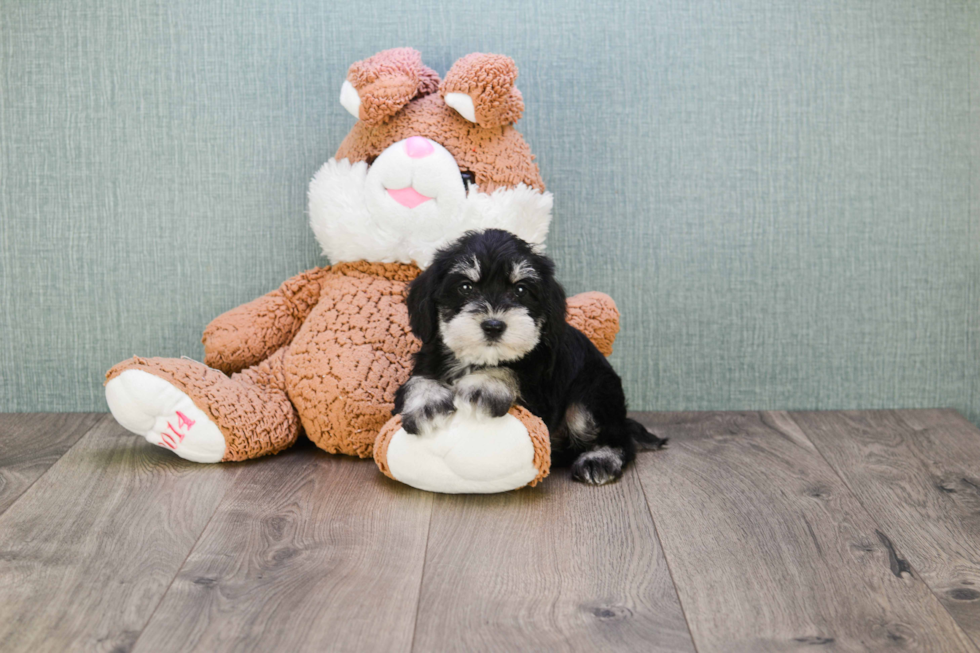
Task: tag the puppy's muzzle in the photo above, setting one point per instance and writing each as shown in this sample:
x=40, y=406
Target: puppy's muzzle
x=493, y=329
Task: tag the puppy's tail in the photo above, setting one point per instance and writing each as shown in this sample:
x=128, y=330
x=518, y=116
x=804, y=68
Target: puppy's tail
x=644, y=438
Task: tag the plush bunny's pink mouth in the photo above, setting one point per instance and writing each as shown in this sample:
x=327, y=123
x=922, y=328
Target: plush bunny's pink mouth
x=408, y=197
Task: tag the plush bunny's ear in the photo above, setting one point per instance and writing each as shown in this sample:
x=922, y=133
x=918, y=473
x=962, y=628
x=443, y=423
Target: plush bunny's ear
x=377, y=87
x=481, y=89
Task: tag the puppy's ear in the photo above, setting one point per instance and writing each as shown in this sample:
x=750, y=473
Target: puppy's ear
x=553, y=305
x=422, y=316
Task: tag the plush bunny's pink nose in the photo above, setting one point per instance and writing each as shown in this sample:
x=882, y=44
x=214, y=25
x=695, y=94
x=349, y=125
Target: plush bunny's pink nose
x=418, y=147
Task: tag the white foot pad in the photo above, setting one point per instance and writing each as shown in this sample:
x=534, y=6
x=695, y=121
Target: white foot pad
x=467, y=456
x=149, y=406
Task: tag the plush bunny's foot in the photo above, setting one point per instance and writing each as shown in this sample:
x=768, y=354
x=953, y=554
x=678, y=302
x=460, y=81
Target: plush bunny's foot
x=200, y=413
x=149, y=406
x=468, y=455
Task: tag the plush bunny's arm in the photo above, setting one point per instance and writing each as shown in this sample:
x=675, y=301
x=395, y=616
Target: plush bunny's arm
x=248, y=334
x=595, y=314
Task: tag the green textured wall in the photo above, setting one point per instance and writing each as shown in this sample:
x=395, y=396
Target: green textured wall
x=782, y=196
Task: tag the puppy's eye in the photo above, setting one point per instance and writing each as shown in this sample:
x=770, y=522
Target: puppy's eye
x=468, y=179
x=520, y=290
x=465, y=288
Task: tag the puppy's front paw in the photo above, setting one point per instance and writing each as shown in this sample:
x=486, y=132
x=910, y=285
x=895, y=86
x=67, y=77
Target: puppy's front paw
x=488, y=392
x=428, y=404
x=485, y=401
x=599, y=466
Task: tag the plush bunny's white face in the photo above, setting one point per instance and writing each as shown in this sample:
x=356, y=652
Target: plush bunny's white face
x=415, y=181
x=411, y=201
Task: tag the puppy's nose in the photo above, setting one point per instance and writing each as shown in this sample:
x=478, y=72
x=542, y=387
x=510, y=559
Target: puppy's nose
x=418, y=147
x=493, y=328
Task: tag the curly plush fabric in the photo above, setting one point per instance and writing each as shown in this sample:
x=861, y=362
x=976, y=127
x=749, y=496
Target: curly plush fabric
x=247, y=335
x=540, y=439
x=499, y=157
x=489, y=81
x=388, y=80
x=381, y=443
x=351, y=356
x=595, y=314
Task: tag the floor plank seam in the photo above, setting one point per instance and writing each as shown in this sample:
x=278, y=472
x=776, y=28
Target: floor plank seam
x=881, y=530
x=660, y=542
x=931, y=590
x=52, y=465
x=425, y=557
x=197, y=540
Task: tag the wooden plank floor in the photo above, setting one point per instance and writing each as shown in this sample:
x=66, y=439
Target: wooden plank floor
x=837, y=531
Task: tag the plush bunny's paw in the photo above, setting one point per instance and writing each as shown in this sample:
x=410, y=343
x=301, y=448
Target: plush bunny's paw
x=468, y=455
x=150, y=406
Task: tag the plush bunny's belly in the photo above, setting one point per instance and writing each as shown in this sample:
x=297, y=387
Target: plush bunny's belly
x=351, y=355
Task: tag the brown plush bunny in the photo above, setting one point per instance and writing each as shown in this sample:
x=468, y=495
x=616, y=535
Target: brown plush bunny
x=326, y=351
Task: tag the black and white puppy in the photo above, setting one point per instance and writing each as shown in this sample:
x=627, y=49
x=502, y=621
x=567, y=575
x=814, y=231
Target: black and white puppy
x=491, y=318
